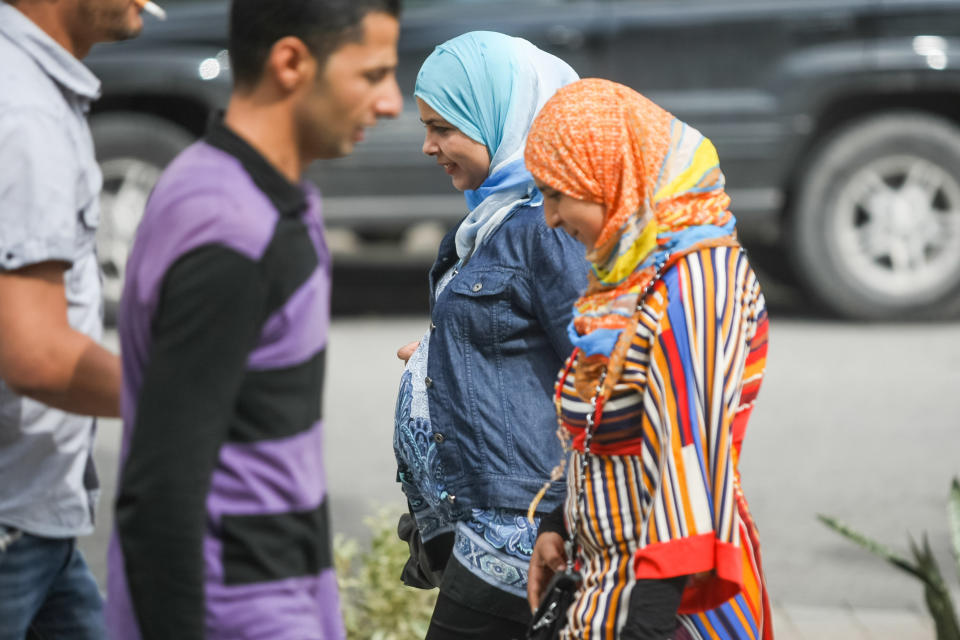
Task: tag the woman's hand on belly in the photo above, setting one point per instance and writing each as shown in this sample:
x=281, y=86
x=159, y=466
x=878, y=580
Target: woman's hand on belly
x=407, y=350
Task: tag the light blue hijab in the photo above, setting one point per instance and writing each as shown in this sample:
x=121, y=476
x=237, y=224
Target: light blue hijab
x=490, y=86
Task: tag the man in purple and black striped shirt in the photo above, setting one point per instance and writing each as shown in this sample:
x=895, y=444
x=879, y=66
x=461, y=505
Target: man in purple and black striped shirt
x=221, y=516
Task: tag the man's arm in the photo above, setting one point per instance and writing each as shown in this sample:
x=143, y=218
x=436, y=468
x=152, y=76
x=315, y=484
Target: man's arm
x=42, y=356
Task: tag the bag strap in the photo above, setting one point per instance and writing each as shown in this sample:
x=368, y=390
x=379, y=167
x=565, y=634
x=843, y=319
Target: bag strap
x=595, y=416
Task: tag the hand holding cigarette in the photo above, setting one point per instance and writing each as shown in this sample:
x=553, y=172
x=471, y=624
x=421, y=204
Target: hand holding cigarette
x=153, y=9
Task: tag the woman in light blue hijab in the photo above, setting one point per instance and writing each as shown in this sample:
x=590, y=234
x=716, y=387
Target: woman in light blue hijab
x=475, y=422
x=490, y=87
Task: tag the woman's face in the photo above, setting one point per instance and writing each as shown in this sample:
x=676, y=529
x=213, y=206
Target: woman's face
x=464, y=159
x=581, y=219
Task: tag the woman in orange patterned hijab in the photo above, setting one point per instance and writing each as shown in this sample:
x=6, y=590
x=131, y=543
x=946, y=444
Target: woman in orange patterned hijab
x=658, y=180
x=671, y=347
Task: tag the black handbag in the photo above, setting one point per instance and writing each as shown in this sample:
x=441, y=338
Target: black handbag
x=424, y=568
x=551, y=616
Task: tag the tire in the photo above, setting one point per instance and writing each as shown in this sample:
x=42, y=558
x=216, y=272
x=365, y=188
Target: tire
x=132, y=150
x=875, y=234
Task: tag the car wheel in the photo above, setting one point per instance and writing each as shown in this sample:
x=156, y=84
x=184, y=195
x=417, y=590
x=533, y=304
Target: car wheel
x=876, y=231
x=132, y=150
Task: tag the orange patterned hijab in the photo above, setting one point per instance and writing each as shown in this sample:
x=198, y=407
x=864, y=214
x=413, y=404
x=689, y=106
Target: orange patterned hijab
x=658, y=179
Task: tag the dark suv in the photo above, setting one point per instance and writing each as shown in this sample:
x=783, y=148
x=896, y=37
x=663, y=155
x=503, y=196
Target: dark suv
x=836, y=122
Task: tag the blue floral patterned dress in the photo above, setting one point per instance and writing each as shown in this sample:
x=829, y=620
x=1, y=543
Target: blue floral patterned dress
x=494, y=544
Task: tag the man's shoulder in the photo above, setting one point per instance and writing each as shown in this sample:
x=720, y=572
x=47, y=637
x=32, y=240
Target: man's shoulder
x=205, y=194
x=25, y=90
x=202, y=168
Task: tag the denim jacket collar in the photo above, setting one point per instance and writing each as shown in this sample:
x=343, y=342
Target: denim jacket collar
x=446, y=257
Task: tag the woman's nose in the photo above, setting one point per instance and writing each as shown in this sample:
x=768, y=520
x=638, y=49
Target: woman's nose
x=429, y=146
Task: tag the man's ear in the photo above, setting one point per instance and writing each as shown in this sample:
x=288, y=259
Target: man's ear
x=291, y=64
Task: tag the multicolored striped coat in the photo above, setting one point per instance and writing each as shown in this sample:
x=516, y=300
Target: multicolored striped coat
x=662, y=492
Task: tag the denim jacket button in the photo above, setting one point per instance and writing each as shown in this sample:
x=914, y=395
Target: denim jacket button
x=477, y=287
x=428, y=381
x=432, y=326
x=438, y=438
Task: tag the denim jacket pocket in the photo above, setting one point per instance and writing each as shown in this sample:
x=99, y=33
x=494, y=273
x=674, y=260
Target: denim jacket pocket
x=482, y=283
x=482, y=305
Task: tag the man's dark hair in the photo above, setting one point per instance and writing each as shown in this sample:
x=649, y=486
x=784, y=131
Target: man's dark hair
x=323, y=25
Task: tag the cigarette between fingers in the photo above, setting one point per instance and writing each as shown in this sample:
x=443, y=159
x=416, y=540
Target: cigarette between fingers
x=152, y=8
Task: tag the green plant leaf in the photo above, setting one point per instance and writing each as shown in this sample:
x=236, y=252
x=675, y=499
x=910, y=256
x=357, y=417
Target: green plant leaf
x=375, y=604
x=872, y=546
x=953, y=511
x=936, y=593
x=927, y=564
x=924, y=567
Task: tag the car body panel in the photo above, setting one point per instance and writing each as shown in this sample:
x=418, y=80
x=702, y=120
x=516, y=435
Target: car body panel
x=769, y=81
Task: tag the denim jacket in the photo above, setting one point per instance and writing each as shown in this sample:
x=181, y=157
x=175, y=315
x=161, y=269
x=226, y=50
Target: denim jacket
x=498, y=338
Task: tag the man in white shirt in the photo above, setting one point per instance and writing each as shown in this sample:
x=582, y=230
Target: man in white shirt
x=53, y=373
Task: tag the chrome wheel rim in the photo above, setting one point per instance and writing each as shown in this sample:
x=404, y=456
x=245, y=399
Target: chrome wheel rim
x=127, y=183
x=897, y=228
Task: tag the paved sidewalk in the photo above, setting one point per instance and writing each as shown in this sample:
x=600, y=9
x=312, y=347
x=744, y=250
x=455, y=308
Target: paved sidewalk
x=793, y=622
